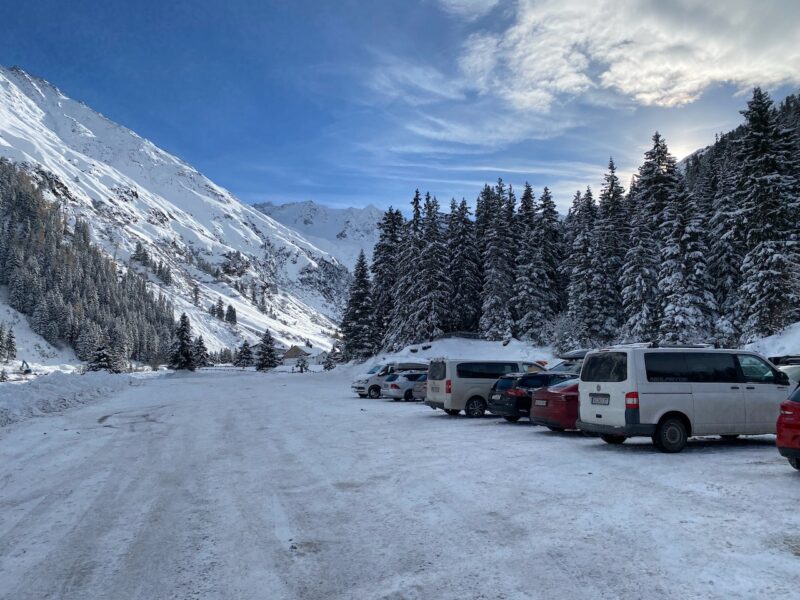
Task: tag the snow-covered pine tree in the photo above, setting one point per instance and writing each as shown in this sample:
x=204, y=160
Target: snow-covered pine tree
x=358, y=328
x=607, y=256
x=3, y=376
x=655, y=185
x=181, y=357
x=302, y=364
x=200, y=352
x=385, y=259
x=103, y=358
x=581, y=297
x=266, y=356
x=244, y=356
x=230, y=315
x=767, y=189
x=429, y=311
x=524, y=305
x=220, y=309
x=401, y=329
x=330, y=363
x=2, y=343
x=463, y=269
x=11, y=346
x=496, y=322
x=687, y=302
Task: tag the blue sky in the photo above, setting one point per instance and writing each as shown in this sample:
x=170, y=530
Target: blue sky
x=350, y=103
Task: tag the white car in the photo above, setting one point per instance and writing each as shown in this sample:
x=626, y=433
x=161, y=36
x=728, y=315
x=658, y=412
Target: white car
x=371, y=383
x=672, y=393
x=400, y=386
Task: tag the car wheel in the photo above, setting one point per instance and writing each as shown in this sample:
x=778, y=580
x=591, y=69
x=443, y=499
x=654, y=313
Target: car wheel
x=610, y=438
x=452, y=412
x=476, y=407
x=671, y=435
x=511, y=419
x=729, y=437
x=408, y=396
x=795, y=462
x=374, y=392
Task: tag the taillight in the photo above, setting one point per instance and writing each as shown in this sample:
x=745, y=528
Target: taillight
x=395, y=386
x=517, y=393
x=632, y=400
x=448, y=387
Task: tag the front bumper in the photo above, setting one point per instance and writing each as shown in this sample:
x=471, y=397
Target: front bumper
x=639, y=430
x=359, y=389
x=789, y=452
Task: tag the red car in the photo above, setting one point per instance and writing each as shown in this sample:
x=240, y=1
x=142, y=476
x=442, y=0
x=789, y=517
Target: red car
x=556, y=407
x=788, y=429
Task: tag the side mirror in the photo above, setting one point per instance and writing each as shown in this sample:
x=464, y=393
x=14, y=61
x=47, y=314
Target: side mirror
x=782, y=378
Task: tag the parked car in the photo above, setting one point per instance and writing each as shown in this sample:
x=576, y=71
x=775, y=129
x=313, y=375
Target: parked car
x=788, y=429
x=510, y=396
x=569, y=362
x=400, y=386
x=371, y=382
x=420, y=387
x=456, y=385
x=556, y=407
x=671, y=394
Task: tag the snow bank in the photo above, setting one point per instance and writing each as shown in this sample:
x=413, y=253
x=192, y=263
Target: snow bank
x=780, y=344
x=55, y=392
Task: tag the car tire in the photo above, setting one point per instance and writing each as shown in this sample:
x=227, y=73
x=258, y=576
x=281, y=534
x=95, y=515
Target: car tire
x=610, y=438
x=558, y=429
x=511, y=419
x=408, y=396
x=729, y=437
x=451, y=411
x=475, y=407
x=795, y=462
x=374, y=392
x=671, y=435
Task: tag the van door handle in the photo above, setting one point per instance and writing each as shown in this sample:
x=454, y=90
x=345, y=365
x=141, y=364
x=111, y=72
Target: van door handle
x=734, y=387
x=750, y=387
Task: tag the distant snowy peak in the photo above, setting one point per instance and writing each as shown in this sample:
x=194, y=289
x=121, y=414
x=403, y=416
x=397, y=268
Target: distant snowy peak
x=130, y=191
x=342, y=232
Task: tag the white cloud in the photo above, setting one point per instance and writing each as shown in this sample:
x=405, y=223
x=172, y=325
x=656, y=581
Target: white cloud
x=653, y=53
x=468, y=9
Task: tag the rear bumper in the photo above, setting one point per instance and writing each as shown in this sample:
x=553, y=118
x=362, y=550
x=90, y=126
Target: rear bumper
x=639, y=430
x=505, y=410
x=558, y=423
x=789, y=452
x=434, y=405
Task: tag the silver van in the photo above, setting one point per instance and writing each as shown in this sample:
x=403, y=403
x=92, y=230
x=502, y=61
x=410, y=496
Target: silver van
x=371, y=382
x=456, y=385
x=671, y=394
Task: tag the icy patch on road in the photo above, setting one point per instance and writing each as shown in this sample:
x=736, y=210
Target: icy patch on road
x=54, y=393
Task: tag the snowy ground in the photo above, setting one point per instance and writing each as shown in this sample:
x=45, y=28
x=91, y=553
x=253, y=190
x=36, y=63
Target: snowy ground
x=245, y=485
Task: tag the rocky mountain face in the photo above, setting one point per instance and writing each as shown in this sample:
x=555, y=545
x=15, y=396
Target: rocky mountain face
x=132, y=192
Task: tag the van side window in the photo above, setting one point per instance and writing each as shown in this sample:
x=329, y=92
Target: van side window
x=711, y=367
x=755, y=370
x=666, y=367
x=485, y=370
x=607, y=366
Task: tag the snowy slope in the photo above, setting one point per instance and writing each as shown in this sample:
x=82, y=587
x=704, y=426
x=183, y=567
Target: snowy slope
x=130, y=190
x=342, y=232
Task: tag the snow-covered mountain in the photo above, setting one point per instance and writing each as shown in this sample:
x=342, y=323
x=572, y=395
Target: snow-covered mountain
x=130, y=191
x=342, y=232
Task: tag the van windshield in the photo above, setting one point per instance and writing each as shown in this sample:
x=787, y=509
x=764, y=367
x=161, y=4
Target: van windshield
x=437, y=371
x=374, y=369
x=605, y=367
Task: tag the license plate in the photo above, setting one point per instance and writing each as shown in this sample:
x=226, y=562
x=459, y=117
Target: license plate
x=540, y=403
x=435, y=388
x=496, y=397
x=600, y=399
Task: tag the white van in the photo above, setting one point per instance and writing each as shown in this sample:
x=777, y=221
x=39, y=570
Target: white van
x=670, y=394
x=456, y=385
x=371, y=382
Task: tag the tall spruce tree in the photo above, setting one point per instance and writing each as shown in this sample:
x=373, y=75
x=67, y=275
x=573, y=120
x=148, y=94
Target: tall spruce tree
x=385, y=259
x=496, y=322
x=358, y=330
x=582, y=300
x=200, y=352
x=181, y=357
x=266, y=355
x=767, y=193
x=244, y=356
x=463, y=267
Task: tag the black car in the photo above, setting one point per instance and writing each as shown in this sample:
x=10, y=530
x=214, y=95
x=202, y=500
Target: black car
x=511, y=395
